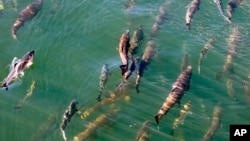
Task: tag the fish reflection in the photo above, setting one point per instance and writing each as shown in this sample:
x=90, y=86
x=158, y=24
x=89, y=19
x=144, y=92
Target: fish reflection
x=183, y=112
x=143, y=133
x=92, y=127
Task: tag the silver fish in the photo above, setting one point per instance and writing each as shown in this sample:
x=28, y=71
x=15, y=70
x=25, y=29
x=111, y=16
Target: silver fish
x=220, y=7
x=204, y=51
x=136, y=40
x=17, y=68
x=105, y=74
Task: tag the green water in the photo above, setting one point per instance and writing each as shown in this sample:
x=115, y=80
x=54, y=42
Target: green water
x=74, y=40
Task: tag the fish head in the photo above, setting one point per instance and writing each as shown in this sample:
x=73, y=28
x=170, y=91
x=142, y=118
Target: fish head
x=28, y=57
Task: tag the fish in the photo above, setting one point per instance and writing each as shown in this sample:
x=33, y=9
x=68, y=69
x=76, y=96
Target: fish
x=136, y=40
x=92, y=127
x=26, y=14
x=123, y=51
x=132, y=67
x=105, y=74
x=146, y=58
x=215, y=123
x=220, y=7
x=181, y=85
x=232, y=4
x=194, y=6
x=17, y=68
x=70, y=111
x=232, y=44
x=143, y=132
x=180, y=118
x=204, y=51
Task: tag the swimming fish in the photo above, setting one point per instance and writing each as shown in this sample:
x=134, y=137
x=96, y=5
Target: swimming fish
x=123, y=51
x=204, y=51
x=26, y=14
x=70, y=111
x=220, y=7
x=194, y=6
x=146, y=57
x=179, y=87
x=105, y=74
x=17, y=68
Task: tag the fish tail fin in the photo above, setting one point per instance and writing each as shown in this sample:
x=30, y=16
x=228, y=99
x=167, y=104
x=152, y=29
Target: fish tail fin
x=157, y=119
x=64, y=135
x=188, y=26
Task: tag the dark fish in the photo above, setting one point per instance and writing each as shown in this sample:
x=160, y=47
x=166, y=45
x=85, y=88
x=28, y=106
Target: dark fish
x=26, y=14
x=194, y=6
x=178, y=89
x=232, y=4
x=18, y=67
x=184, y=111
x=215, y=123
x=220, y=7
x=146, y=57
x=136, y=40
x=204, y=51
x=70, y=111
x=123, y=51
